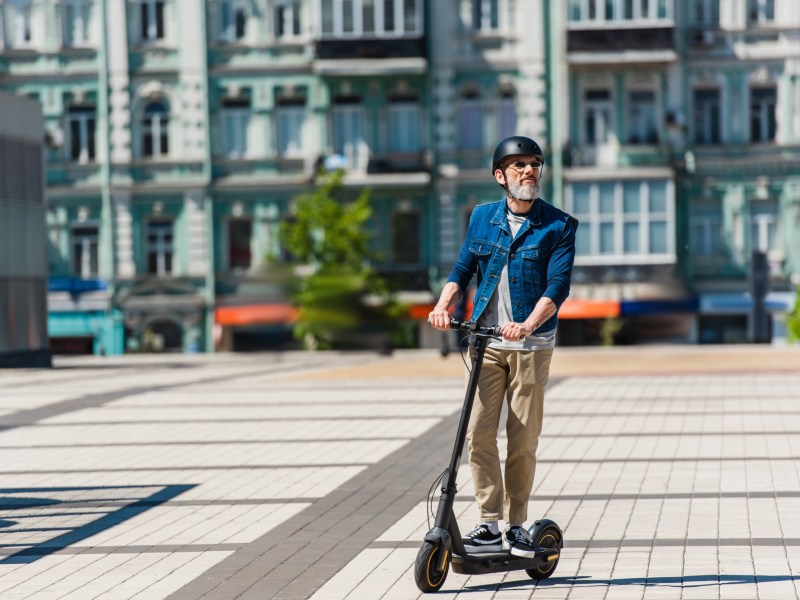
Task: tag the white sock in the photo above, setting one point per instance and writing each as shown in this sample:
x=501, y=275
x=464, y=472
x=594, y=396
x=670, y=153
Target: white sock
x=492, y=525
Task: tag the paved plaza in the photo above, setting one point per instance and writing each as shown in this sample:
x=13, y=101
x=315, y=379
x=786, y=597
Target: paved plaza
x=673, y=472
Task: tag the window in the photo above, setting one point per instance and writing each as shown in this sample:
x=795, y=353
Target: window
x=239, y=233
x=355, y=18
x=19, y=23
x=614, y=10
x=152, y=20
x=84, y=240
x=761, y=12
x=507, y=115
x=287, y=19
x=159, y=246
x=470, y=122
x=485, y=15
x=349, y=135
x=706, y=12
x=642, y=124
x=235, y=124
x=706, y=229
x=597, y=116
x=404, y=120
x=77, y=21
x=233, y=20
x=406, y=237
x=155, y=134
x=765, y=235
x=622, y=219
x=706, y=117
x=291, y=118
x=762, y=114
x=82, y=121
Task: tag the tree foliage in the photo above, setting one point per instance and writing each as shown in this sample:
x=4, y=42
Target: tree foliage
x=793, y=320
x=342, y=302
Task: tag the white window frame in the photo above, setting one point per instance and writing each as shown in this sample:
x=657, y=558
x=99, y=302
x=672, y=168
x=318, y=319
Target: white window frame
x=507, y=111
x=603, y=116
x=591, y=222
x=705, y=137
x=163, y=246
x=78, y=20
x=470, y=124
x=148, y=29
x=760, y=222
x=290, y=139
x=378, y=29
x=349, y=134
x=705, y=12
x=404, y=132
x=637, y=121
x=87, y=126
x=486, y=8
x=289, y=13
x=235, y=128
x=229, y=11
x=19, y=30
x=89, y=248
x=761, y=12
x=156, y=124
x=764, y=110
x=630, y=11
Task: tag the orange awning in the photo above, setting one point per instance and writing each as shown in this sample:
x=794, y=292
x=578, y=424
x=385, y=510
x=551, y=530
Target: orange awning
x=255, y=314
x=588, y=309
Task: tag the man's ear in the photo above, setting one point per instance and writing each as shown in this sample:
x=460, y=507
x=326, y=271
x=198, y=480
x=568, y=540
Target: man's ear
x=500, y=176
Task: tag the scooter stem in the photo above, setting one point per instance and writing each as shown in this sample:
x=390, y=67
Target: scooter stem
x=449, y=484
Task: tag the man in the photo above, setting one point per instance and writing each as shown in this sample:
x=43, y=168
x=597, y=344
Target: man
x=522, y=249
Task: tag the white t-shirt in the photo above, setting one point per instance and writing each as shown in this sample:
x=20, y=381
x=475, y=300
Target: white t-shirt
x=498, y=311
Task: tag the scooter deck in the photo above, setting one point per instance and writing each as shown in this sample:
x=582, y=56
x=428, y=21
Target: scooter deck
x=496, y=562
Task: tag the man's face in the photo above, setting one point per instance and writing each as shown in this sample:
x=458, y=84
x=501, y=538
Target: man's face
x=521, y=175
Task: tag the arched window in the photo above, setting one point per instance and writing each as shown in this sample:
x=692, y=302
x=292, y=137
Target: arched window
x=155, y=130
x=507, y=113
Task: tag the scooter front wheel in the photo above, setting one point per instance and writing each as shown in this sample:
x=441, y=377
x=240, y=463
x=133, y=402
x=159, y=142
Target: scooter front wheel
x=430, y=569
x=548, y=537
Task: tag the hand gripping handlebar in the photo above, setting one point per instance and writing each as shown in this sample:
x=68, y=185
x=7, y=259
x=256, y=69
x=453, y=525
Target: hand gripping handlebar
x=474, y=328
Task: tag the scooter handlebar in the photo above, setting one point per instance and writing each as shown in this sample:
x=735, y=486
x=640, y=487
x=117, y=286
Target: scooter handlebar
x=473, y=327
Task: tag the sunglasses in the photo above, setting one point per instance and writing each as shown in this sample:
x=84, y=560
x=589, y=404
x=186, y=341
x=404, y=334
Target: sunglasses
x=519, y=165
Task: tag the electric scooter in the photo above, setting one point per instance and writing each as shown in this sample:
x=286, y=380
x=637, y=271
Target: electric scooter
x=443, y=544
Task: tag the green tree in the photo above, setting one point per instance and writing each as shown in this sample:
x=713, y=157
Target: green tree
x=342, y=302
x=793, y=321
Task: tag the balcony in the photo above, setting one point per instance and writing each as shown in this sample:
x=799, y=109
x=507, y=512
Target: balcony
x=614, y=155
x=370, y=56
x=614, y=44
x=261, y=171
x=398, y=162
x=69, y=174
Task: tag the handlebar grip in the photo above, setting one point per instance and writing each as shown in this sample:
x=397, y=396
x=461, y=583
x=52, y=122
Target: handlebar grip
x=473, y=327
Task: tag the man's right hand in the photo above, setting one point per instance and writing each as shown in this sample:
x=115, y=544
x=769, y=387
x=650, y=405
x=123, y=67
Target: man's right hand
x=439, y=318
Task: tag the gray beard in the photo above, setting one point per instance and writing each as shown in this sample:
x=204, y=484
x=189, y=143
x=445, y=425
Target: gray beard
x=523, y=192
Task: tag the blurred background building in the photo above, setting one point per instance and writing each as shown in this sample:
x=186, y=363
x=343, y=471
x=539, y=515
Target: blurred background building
x=180, y=131
x=23, y=255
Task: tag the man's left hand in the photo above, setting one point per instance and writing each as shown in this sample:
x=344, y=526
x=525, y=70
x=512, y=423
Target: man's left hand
x=514, y=332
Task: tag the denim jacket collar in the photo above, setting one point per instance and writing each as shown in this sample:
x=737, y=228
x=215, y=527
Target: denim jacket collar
x=501, y=216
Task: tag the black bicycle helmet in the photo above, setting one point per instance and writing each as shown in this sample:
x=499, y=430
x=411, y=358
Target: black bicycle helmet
x=514, y=146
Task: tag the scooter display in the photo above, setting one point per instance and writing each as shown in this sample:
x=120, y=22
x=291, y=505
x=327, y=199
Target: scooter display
x=442, y=545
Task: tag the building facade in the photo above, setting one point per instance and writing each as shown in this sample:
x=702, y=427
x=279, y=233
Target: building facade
x=180, y=132
x=23, y=260
x=680, y=145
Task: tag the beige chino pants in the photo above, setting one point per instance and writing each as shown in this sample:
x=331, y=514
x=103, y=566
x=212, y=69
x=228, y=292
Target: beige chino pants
x=519, y=378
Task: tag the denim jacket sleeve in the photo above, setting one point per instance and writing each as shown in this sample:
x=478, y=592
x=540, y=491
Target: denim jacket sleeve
x=466, y=264
x=559, y=268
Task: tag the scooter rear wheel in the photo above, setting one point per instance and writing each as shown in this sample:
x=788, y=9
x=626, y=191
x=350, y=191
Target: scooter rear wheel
x=549, y=537
x=430, y=569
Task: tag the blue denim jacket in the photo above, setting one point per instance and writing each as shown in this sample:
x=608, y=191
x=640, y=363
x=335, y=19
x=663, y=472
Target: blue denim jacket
x=539, y=259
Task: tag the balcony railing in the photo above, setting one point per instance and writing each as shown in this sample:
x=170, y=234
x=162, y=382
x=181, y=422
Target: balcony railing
x=370, y=48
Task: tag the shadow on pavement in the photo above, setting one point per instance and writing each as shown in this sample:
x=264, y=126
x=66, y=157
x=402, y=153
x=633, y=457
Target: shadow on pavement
x=688, y=581
x=16, y=513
